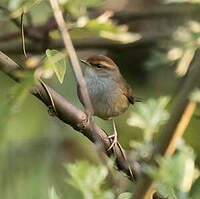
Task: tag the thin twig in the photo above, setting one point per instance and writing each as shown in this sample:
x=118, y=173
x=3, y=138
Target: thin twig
x=182, y=125
x=18, y=24
x=22, y=36
x=72, y=54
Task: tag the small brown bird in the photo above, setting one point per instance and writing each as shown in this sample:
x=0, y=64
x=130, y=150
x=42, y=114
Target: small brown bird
x=109, y=92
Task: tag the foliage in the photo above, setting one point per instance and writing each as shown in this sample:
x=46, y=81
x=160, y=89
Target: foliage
x=180, y=51
x=19, y=6
x=171, y=178
x=104, y=27
x=89, y=179
x=125, y=195
x=78, y=7
x=150, y=116
x=57, y=62
x=175, y=175
x=83, y=26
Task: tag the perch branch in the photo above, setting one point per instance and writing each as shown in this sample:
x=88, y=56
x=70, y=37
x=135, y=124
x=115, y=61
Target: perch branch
x=72, y=116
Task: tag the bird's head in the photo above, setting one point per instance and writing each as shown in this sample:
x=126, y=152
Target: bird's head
x=101, y=65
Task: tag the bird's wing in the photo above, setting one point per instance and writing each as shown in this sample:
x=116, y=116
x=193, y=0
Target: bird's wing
x=127, y=91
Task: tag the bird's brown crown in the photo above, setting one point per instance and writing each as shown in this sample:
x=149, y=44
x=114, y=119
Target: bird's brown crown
x=103, y=60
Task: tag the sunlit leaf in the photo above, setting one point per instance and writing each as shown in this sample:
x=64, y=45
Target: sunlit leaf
x=141, y=149
x=125, y=195
x=58, y=63
x=21, y=6
x=104, y=27
x=174, y=175
x=79, y=7
x=150, y=115
x=124, y=37
x=13, y=4
x=89, y=179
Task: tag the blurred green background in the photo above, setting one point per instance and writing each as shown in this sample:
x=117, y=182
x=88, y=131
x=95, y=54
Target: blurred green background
x=153, y=43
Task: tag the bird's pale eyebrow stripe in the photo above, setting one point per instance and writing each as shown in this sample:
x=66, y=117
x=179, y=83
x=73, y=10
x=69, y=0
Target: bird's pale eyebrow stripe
x=106, y=64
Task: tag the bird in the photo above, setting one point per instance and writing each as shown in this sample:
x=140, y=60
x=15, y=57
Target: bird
x=109, y=92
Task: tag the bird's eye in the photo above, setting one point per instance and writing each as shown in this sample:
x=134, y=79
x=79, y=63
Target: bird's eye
x=99, y=66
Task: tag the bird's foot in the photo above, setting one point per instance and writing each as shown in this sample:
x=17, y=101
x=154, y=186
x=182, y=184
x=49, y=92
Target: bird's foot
x=113, y=142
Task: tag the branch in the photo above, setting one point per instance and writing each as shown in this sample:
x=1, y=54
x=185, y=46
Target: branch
x=18, y=25
x=37, y=33
x=72, y=116
x=166, y=139
x=72, y=54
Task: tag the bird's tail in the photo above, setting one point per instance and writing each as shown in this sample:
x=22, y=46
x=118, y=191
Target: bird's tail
x=138, y=99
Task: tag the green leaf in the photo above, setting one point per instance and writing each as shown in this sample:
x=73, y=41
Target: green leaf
x=13, y=4
x=88, y=179
x=125, y=195
x=175, y=174
x=79, y=7
x=150, y=116
x=57, y=61
x=21, y=6
x=141, y=149
x=103, y=26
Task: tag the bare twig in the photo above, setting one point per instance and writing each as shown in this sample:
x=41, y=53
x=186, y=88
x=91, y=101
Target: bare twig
x=18, y=24
x=145, y=183
x=22, y=36
x=182, y=125
x=72, y=54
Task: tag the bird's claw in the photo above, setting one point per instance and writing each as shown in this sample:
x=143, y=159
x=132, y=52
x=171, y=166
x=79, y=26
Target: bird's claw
x=114, y=141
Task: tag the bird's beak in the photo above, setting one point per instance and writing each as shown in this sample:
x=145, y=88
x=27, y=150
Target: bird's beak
x=84, y=61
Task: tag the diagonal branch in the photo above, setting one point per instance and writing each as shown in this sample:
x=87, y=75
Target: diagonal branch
x=72, y=54
x=73, y=116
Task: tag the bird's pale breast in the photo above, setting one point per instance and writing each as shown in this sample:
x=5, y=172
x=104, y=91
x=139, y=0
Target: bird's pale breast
x=106, y=97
